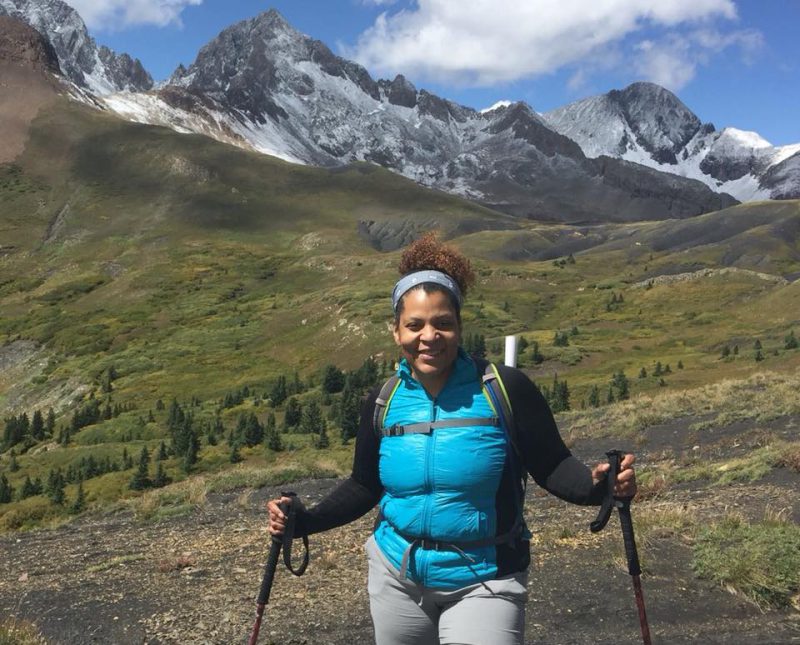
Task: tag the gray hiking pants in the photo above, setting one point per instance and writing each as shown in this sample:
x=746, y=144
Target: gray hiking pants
x=405, y=613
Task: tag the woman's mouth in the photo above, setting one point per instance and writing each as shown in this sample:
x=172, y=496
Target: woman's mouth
x=427, y=354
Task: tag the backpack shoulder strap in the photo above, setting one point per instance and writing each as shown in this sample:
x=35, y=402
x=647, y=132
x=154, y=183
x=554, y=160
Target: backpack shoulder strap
x=498, y=397
x=382, y=403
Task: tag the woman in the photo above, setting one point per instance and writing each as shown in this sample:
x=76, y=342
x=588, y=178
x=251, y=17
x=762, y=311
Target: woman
x=449, y=554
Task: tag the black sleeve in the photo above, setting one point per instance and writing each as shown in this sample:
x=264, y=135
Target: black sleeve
x=546, y=457
x=356, y=495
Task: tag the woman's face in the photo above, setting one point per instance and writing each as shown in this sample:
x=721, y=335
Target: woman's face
x=428, y=334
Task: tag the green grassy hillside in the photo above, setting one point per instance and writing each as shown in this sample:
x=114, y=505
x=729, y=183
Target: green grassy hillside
x=138, y=265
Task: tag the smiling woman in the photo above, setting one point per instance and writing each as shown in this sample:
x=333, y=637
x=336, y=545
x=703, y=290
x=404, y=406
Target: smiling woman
x=449, y=555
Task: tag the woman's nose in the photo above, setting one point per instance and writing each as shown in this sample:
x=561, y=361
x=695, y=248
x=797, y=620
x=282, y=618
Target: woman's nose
x=428, y=332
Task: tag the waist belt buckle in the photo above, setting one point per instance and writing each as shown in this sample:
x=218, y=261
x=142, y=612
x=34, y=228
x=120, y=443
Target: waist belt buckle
x=431, y=545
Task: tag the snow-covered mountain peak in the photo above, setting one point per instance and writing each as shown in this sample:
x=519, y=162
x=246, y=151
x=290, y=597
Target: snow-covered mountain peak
x=743, y=138
x=496, y=106
x=99, y=70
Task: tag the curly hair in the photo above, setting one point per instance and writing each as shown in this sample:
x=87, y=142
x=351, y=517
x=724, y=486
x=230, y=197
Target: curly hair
x=428, y=252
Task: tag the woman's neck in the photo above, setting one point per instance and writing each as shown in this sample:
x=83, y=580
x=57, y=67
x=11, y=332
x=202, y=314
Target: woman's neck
x=433, y=383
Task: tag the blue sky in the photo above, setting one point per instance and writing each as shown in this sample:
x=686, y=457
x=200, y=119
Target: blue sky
x=733, y=62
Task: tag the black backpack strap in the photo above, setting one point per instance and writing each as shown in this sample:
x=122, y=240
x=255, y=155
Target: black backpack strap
x=501, y=402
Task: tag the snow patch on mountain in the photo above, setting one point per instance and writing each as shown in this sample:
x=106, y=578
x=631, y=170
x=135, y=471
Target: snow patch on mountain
x=152, y=109
x=496, y=106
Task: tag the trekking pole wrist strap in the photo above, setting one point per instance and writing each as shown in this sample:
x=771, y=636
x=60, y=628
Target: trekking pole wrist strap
x=288, y=536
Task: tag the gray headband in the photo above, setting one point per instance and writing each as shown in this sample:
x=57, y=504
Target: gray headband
x=412, y=280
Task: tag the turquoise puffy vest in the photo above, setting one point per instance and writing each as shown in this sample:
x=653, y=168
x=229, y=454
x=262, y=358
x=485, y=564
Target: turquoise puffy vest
x=437, y=520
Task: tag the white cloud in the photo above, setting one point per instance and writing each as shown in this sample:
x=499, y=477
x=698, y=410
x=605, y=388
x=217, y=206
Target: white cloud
x=112, y=15
x=485, y=42
x=673, y=61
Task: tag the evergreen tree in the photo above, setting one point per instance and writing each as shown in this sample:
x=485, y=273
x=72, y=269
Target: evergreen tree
x=236, y=455
x=278, y=392
x=127, y=460
x=55, y=487
x=522, y=345
x=759, y=356
x=162, y=452
x=27, y=489
x=622, y=386
x=159, y=405
x=13, y=466
x=643, y=373
x=50, y=422
x=321, y=440
x=680, y=365
x=757, y=345
x=140, y=479
x=349, y=416
x=79, y=503
x=610, y=397
x=190, y=456
x=332, y=379
x=790, y=342
x=253, y=431
x=273, y=438
x=293, y=414
x=735, y=350
x=536, y=355
x=726, y=351
x=312, y=421
x=594, y=397
x=37, y=426
x=6, y=490
x=161, y=479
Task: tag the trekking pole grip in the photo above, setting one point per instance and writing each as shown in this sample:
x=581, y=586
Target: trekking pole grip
x=632, y=555
x=272, y=561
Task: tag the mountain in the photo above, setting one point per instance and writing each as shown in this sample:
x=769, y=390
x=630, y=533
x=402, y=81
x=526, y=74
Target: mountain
x=649, y=125
x=263, y=85
x=28, y=65
x=97, y=69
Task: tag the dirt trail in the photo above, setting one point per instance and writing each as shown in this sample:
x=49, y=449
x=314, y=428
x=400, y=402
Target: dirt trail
x=193, y=579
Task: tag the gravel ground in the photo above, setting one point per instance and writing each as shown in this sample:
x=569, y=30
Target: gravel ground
x=193, y=579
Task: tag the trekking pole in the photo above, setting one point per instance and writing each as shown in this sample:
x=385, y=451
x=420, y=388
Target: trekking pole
x=623, y=505
x=278, y=541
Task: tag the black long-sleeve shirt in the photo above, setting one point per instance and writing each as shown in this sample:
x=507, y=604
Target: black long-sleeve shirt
x=544, y=455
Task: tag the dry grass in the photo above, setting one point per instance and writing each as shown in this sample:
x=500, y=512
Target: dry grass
x=19, y=632
x=763, y=396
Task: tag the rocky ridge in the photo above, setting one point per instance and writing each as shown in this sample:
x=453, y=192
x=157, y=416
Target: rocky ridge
x=97, y=69
x=264, y=85
x=647, y=124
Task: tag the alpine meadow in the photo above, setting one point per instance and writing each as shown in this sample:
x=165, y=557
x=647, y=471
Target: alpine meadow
x=188, y=325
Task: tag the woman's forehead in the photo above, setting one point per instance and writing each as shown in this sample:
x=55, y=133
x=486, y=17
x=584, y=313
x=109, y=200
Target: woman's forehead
x=419, y=302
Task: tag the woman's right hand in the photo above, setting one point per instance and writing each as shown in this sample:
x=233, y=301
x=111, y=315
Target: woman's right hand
x=277, y=518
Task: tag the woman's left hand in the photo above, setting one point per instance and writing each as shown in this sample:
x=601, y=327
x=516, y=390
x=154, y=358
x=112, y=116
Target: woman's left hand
x=626, y=478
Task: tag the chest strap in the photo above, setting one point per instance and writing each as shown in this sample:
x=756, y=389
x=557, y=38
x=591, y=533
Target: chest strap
x=426, y=427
